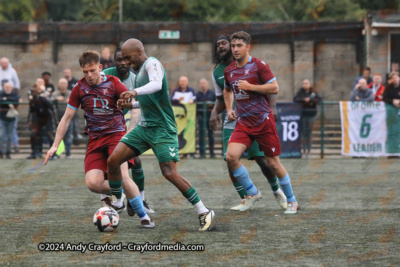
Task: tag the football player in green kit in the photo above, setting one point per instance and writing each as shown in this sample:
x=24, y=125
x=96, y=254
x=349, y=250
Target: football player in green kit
x=224, y=58
x=127, y=77
x=156, y=130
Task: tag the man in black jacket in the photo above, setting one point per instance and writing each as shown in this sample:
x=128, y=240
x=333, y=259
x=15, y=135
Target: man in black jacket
x=391, y=95
x=41, y=116
x=309, y=99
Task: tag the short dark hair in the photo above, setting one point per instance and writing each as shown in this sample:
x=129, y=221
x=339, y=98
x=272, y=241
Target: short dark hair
x=116, y=51
x=46, y=72
x=89, y=57
x=368, y=69
x=241, y=36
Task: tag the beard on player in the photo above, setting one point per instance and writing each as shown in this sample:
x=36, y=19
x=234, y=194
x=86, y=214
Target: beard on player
x=224, y=55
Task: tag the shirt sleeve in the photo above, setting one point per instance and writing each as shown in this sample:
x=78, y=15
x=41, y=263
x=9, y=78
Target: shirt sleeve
x=155, y=72
x=74, y=98
x=119, y=86
x=265, y=73
x=217, y=88
x=226, y=81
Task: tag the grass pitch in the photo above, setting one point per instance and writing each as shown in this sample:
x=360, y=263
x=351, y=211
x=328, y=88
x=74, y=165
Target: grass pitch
x=349, y=216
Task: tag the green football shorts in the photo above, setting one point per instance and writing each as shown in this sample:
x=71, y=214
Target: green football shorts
x=163, y=143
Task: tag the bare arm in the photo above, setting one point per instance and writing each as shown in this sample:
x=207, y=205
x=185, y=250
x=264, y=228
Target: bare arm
x=135, y=117
x=219, y=106
x=228, y=98
x=265, y=89
x=61, y=130
x=272, y=104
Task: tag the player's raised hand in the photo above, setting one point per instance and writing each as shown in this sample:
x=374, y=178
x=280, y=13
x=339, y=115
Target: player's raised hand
x=49, y=154
x=232, y=115
x=245, y=85
x=214, y=121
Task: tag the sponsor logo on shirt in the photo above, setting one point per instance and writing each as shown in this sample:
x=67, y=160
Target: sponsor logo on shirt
x=104, y=109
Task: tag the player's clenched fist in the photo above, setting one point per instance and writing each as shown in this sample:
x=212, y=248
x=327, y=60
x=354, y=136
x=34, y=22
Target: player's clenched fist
x=245, y=85
x=232, y=115
x=124, y=103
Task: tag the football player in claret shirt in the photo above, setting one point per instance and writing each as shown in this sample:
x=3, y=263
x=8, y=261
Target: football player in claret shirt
x=105, y=125
x=224, y=59
x=127, y=77
x=249, y=81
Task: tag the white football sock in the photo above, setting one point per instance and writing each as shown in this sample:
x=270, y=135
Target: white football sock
x=277, y=191
x=142, y=194
x=200, y=207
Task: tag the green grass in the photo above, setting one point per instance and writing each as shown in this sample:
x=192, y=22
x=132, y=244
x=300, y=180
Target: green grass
x=349, y=216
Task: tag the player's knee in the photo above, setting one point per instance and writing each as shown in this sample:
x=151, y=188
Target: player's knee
x=231, y=160
x=137, y=162
x=113, y=162
x=273, y=164
x=91, y=185
x=168, y=173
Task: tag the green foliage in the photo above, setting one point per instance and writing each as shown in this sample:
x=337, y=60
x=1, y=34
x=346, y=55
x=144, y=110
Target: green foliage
x=189, y=10
x=16, y=10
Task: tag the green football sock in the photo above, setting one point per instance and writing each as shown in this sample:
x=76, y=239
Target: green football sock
x=240, y=189
x=191, y=196
x=138, y=177
x=274, y=183
x=116, y=188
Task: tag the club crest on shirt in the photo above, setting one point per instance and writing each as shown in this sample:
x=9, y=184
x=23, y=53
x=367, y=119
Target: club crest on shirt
x=86, y=91
x=105, y=91
x=246, y=72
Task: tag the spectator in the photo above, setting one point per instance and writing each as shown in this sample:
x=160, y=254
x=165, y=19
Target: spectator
x=60, y=100
x=49, y=86
x=183, y=93
x=8, y=73
x=392, y=92
x=40, y=86
x=71, y=80
x=7, y=118
x=366, y=75
x=40, y=118
x=15, y=139
x=75, y=121
x=205, y=95
x=105, y=59
x=393, y=67
x=377, y=87
x=309, y=99
x=361, y=92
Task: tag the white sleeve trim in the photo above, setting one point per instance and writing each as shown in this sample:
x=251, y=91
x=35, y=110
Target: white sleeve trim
x=156, y=73
x=217, y=88
x=135, y=105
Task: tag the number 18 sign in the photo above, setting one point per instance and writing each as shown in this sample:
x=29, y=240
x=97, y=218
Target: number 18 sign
x=288, y=126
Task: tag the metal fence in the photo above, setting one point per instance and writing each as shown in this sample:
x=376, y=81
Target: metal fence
x=326, y=133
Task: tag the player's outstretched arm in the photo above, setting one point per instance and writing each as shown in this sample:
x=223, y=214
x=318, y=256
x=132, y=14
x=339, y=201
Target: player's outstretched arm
x=61, y=130
x=265, y=89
